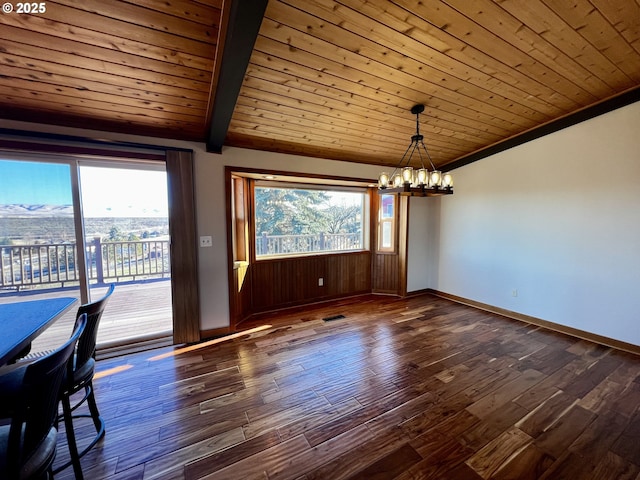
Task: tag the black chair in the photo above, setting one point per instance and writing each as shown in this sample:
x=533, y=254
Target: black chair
x=28, y=443
x=81, y=378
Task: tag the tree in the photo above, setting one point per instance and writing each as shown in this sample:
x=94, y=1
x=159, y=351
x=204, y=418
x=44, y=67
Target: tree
x=115, y=234
x=287, y=211
x=342, y=219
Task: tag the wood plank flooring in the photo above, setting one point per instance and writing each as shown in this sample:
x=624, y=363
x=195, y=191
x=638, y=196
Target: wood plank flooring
x=415, y=388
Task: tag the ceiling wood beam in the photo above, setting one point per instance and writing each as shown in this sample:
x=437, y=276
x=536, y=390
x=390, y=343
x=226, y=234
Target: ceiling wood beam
x=245, y=19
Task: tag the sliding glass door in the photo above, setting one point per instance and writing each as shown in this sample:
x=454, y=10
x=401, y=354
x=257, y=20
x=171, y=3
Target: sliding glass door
x=71, y=228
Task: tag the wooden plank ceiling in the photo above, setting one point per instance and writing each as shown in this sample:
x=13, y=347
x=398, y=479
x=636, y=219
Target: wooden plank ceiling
x=141, y=67
x=326, y=78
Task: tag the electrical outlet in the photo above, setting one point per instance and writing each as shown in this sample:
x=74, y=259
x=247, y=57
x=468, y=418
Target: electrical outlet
x=320, y=282
x=514, y=293
x=206, y=241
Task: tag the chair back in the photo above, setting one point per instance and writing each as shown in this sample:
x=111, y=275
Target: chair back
x=38, y=406
x=87, y=344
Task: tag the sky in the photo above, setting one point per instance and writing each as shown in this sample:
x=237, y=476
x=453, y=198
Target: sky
x=34, y=183
x=109, y=192
x=106, y=192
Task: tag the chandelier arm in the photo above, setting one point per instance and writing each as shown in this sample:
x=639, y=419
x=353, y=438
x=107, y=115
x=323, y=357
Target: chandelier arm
x=414, y=145
x=420, y=155
x=428, y=156
x=405, y=154
x=399, y=166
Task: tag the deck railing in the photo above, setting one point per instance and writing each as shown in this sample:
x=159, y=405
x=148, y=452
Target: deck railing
x=49, y=264
x=54, y=264
x=320, y=242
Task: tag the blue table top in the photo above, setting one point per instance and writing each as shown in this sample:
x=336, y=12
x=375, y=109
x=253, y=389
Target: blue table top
x=21, y=322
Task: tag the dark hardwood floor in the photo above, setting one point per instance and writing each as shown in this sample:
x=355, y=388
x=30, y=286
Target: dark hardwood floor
x=416, y=388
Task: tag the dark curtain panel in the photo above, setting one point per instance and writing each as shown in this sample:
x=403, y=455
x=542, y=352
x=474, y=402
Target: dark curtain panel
x=184, y=258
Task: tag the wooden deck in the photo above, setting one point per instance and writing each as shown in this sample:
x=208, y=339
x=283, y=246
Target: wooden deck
x=136, y=311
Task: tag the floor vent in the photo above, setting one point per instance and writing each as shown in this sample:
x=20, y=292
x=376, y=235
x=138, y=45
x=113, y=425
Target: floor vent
x=334, y=317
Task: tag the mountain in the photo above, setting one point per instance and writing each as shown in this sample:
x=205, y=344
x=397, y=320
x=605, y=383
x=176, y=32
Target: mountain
x=30, y=211
x=54, y=224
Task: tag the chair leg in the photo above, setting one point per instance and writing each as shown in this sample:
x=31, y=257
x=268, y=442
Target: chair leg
x=68, y=415
x=95, y=414
x=71, y=437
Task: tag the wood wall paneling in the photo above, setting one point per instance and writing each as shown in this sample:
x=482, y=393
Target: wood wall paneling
x=282, y=282
x=385, y=266
x=241, y=293
x=403, y=239
x=238, y=212
x=385, y=273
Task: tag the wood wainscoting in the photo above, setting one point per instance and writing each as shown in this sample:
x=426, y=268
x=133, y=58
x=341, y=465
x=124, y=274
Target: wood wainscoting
x=283, y=282
x=241, y=294
x=386, y=276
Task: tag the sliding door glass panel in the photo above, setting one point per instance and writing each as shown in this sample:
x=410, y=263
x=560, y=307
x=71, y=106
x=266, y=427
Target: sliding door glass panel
x=38, y=254
x=125, y=216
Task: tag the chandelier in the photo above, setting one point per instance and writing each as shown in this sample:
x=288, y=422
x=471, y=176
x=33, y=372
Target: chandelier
x=419, y=182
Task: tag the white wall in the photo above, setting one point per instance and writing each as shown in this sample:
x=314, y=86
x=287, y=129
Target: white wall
x=558, y=220
x=422, y=249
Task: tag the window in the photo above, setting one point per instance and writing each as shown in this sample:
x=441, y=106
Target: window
x=386, y=223
x=296, y=220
